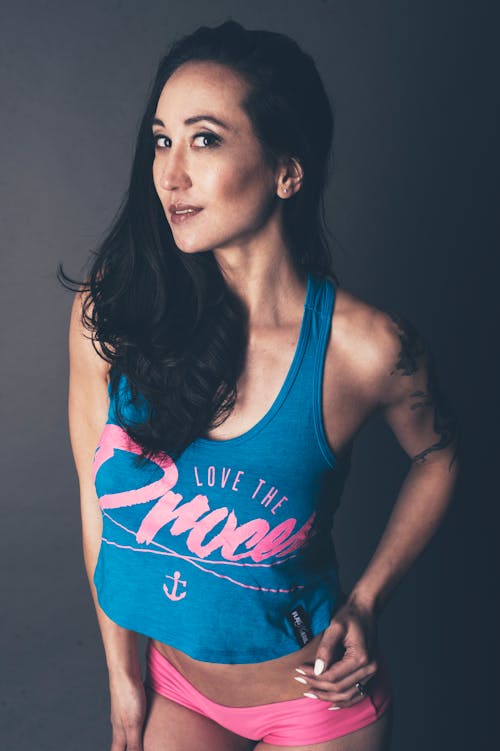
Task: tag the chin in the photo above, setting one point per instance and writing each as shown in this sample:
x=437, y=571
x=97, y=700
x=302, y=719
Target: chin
x=192, y=249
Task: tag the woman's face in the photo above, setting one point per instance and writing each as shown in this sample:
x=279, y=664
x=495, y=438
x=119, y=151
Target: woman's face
x=218, y=167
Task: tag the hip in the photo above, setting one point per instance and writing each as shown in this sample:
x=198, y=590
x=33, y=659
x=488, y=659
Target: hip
x=286, y=722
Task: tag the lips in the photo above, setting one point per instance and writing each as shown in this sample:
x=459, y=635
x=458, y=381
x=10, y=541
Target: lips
x=184, y=215
x=182, y=208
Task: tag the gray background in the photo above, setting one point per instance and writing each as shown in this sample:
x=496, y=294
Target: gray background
x=411, y=206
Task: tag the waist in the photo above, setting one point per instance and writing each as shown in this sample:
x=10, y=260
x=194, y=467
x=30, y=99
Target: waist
x=243, y=684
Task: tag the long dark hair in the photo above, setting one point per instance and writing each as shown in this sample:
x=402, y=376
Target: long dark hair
x=167, y=320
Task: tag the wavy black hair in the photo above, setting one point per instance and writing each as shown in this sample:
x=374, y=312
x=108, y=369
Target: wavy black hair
x=166, y=319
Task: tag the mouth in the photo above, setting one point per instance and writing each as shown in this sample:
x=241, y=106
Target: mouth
x=178, y=217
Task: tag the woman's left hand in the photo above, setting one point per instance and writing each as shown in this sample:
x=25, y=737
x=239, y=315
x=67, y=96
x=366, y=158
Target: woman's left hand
x=353, y=628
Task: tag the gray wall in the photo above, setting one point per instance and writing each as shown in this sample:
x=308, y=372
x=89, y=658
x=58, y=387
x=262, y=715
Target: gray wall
x=412, y=211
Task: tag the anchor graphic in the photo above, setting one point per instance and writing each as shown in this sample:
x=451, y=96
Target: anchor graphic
x=177, y=580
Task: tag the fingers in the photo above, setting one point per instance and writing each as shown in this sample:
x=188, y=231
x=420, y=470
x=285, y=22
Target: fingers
x=134, y=743
x=354, y=633
x=343, y=673
x=359, y=670
x=363, y=675
x=331, y=646
x=340, y=691
x=118, y=744
x=129, y=740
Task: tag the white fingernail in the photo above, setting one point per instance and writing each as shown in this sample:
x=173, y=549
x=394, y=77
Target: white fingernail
x=300, y=680
x=334, y=707
x=301, y=671
x=310, y=695
x=319, y=666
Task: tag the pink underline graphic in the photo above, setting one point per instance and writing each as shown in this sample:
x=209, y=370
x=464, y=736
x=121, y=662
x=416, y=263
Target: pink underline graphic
x=202, y=568
x=194, y=561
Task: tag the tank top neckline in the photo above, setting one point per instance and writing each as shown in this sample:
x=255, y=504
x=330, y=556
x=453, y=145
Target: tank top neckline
x=294, y=366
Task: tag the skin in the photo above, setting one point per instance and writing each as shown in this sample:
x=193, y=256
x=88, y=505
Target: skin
x=375, y=362
x=412, y=348
x=241, y=195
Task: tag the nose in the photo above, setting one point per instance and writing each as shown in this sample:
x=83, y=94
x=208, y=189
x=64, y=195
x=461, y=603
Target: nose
x=173, y=172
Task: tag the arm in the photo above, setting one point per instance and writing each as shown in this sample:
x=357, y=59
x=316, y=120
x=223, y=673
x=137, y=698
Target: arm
x=88, y=404
x=409, y=398
x=397, y=375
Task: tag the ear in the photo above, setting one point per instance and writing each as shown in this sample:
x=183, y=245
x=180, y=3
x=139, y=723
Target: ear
x=290, y=177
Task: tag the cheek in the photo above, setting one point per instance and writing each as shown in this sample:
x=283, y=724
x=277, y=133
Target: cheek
x=242, y=184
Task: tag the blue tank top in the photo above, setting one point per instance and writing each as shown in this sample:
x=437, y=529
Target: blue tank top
x=226, y=553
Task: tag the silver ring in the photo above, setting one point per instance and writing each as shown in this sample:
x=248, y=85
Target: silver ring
x=362, y=689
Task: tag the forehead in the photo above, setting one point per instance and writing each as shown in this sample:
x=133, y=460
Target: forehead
x=204, y=86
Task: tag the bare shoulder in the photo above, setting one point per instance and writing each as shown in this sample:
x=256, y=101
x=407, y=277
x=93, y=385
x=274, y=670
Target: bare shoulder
x=372, y=341
x=390, y=366
x=88, y=399
x=85, y=352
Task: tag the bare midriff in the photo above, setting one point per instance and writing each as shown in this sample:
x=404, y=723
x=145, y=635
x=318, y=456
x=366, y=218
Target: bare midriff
x=246, y=684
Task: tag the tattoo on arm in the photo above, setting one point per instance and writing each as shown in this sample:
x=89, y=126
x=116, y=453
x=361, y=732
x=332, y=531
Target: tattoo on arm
x=444, y=423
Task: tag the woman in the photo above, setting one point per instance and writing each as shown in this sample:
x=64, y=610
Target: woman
x=212, y=421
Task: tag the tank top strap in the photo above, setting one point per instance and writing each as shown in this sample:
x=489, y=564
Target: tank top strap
x=319, y=308
x=305, y=392
x=320, y=334
x=322, y=295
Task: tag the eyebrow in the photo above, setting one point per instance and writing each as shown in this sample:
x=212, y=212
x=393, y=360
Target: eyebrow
x=196, y=119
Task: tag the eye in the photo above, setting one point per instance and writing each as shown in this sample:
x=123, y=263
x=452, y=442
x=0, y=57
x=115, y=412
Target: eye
x=156, y=141
x=214, y=140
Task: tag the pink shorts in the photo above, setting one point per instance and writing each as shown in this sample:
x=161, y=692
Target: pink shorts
x=284, y=723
